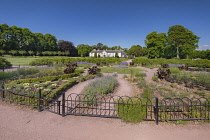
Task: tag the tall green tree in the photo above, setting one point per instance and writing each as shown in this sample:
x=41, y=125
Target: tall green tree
x=99, y=46
x=135, y=50
x=40, y=43
x=5, y=37
x=105, y=47
x=156, y=44
x=51, y=42
x=84, y=50
x=116, y=48
x=182, y=40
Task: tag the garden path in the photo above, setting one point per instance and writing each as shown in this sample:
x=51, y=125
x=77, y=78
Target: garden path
x=124, y=87
x=149, y=72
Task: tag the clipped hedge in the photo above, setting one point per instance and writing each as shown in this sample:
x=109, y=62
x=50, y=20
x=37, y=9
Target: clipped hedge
x=49, y=78
x=50, y=61
x=4, y=63
x=201, y=63
x=67, y=85
x=55, y=93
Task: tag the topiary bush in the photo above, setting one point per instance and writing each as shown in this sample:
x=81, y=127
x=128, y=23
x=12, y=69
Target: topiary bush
x=4, y=63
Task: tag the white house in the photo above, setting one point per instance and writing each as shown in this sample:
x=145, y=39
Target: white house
x=107, y=53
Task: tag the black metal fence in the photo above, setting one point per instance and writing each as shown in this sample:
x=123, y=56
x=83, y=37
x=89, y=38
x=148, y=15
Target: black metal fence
x=33, y=100
x=154, y=109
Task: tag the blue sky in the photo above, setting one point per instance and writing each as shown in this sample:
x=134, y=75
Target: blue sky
x=111, y=22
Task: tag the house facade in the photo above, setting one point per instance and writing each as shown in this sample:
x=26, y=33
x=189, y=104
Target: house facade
x=107, y=53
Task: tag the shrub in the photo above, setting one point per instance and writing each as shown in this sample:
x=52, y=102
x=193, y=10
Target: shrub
x=93, y=70
x=155, y=78
x=27, y=71
x=49, y=78
x=203, y=63
x=148, y=93
x=4, y=63
x=163, y=73
x=103, y=85
x=70, y=68
x=174, y=70
x=131, y=110
x=50, y=61
x=7, y=75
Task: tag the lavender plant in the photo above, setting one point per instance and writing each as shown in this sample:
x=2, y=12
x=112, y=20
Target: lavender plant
x=103, y=85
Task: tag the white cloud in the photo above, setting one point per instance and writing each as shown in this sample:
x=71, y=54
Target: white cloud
x=204, y=47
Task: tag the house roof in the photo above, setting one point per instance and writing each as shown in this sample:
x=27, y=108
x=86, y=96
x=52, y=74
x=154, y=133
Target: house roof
x=108, y=51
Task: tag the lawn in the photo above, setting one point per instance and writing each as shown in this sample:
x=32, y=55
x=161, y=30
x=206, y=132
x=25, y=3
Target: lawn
x=20, y=61
x=121, y=70
x=24, y=61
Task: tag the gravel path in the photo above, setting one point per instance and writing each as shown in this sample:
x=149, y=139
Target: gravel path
x=149, y=73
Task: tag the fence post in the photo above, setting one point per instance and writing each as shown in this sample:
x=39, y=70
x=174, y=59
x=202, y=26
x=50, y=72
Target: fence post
x=156, y=111
x=63, y=105
x=58, y=107
x=2, y=86
x=39, y=100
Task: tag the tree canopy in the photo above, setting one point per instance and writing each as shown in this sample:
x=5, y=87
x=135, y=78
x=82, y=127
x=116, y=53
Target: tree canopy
x=182, y=40
x=136, y=50
x=156, y=43
x=178, y=42
x=67, y=46
x=16, y=38
x=84, y=50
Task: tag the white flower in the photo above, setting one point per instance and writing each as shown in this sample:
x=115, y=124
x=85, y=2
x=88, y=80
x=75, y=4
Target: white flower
x=26, y=84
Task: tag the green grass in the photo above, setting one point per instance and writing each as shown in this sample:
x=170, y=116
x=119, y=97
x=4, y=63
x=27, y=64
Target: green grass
x=25, y=60
x=121, y=70
x=20, y=61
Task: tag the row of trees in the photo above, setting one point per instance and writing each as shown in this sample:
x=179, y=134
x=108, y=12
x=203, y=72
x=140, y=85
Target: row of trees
x=16, y=38
x=178, y=42
x=21, y=41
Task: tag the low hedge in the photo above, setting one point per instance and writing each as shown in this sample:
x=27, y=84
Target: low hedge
x=55, y=93
x=201, y=63
x=50, y=61
x=49, y=78
x=58, y=91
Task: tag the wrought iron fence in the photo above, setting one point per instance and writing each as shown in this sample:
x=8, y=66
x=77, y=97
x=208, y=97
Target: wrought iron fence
x=127, y=108
x=28, y=99
x=154, y=109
